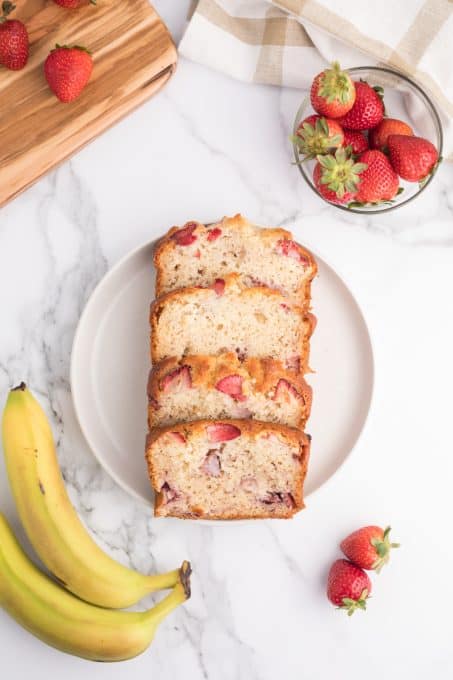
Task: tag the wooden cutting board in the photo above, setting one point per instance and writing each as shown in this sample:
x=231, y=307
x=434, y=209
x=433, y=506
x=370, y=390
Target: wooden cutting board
x=133, y=56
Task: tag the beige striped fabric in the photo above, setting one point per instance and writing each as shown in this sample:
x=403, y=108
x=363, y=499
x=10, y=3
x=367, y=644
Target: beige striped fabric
x=286, y=42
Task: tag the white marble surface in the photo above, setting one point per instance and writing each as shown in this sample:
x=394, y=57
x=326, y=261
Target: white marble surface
x=208, y=146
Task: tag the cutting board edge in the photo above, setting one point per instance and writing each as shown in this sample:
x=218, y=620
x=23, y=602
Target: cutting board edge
x=160, y=80
x=30, y=153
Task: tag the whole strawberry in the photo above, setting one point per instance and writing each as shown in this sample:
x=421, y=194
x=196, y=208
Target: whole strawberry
x=332, y=92
x=68, y=70
x=413, y=158
x=368, y=547
x=356, y=140
x=317, y=135
x=348, y=587
x=73, y=4
x=338, y=177
x=327, y=193
x=368, y=109
x=379, y=182
x=14, y=43
x=388, y=126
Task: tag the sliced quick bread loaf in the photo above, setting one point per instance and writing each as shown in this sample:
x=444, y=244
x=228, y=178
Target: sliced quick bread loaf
x=231, y=469
x=230, y=317
x=216, y=387
x=197, y=254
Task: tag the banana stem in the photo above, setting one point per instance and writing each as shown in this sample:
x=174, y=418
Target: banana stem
x=163, y=581
x=161, y=610
x=171, y=578
x=179, y=594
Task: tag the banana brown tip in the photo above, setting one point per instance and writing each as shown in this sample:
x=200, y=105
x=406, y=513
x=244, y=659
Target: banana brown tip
x=20, y=387
x=184, y=576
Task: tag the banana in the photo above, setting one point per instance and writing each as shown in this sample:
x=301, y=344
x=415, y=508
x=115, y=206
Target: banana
x=63, y=621
x=51, y=522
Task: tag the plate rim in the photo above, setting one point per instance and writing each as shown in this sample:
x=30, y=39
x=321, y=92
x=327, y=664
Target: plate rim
x=73, y=380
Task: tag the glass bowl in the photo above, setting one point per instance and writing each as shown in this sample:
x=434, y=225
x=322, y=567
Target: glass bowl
x=403, y=99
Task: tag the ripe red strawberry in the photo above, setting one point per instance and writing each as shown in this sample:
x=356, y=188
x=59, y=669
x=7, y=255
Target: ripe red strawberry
x=327, y=193
x=211, y=465
x=73, y=4
x=67, y=71
x=379, y=182
x=332, y=92
x=178, y=437
x=213, y=234
x=231, y=385
x=219, y=286
x=368, y=109
x=337, y=177
x=413, y=158
x=348, y=586
x=368, y=547
x=388, y=126
x=285, y=391
x=222, y=432
x=14, y=43
x=167, y=492
x=356, y=140
x=316, y=135
x=176, y=380
x=185, y=235
x=289, y=248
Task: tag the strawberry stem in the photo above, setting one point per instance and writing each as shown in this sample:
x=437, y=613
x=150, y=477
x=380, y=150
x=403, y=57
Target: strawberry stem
x=312, y=140
x=7, y=8
x=340, y=172
x=336, y=85
x=70, y=47
x=351, y=605
x=382, y=548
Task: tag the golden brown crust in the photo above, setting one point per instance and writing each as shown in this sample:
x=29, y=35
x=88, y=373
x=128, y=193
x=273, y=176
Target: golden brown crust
x=259, y=375
x=239, y=223
x=164, y=245
x=232, y=282
x=236, y=222
x=251, y=429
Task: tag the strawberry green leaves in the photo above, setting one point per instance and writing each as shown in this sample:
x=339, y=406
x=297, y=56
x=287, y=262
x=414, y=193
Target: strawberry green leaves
x=352, y=605
x=317, y=135
x=336, y=85
x=340, y=173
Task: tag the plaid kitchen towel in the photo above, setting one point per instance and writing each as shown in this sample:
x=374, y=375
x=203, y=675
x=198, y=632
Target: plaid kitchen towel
x=286, y=42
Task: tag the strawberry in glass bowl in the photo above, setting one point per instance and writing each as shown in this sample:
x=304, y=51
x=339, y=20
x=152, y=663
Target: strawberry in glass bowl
x=367, y=139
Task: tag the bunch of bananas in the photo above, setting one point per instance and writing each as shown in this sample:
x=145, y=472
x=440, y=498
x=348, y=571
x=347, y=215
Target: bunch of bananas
x=86, y=622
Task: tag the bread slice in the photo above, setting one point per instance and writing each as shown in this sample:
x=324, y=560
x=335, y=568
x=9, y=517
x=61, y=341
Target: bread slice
x=197, y=254
x=217, y=387
x=231, y=469
x=230, y=317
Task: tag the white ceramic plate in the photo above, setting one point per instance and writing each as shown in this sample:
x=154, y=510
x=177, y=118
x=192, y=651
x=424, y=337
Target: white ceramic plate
x=110, y=365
